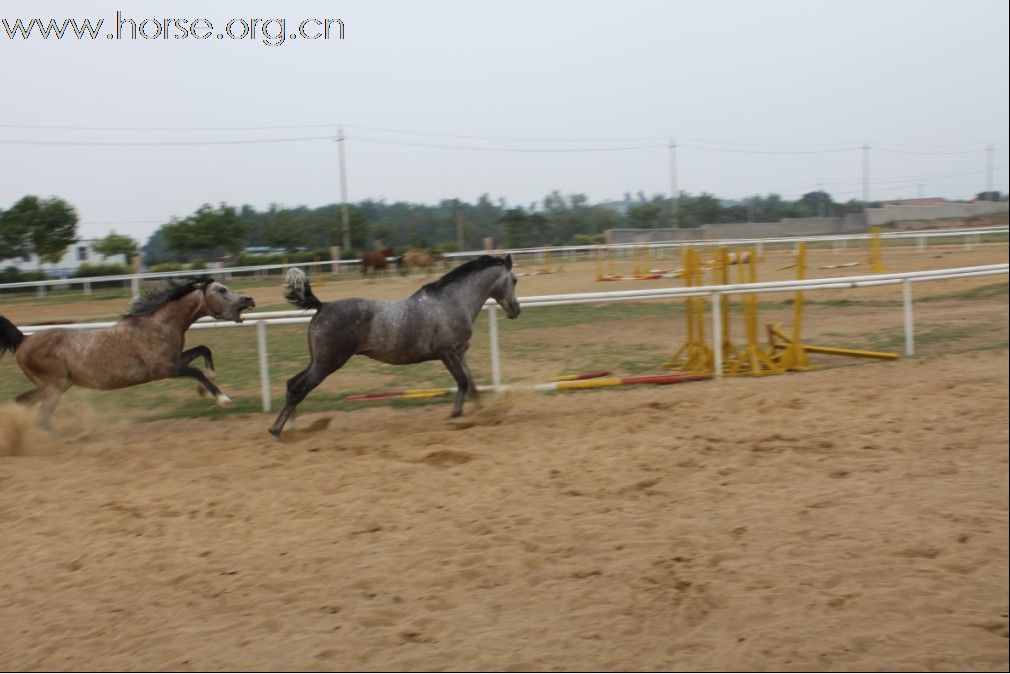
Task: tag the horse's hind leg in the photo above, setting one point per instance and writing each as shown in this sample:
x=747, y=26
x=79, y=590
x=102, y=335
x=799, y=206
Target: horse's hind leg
x=301, y=385
x=50, y=396
x=29, y=397
x=454, y=363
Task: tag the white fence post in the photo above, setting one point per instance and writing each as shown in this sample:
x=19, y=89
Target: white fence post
x=492, y=324
x=261, y=346
x=717, y=332
x=135, y=287
x=906, y=296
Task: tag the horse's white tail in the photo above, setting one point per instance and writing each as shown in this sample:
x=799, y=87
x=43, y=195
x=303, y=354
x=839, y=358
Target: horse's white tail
x=298, y=291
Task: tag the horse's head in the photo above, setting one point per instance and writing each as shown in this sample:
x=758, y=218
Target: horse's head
x=504, y=290
x=224, y=303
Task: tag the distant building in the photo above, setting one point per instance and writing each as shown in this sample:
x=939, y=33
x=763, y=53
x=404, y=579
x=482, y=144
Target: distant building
x=921, y=201
x=80, y=252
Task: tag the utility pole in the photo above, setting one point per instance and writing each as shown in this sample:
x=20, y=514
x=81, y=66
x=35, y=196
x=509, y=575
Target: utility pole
x=866, y=183
x=820, y=199
x=345, y=217
x=989, y=196
x=459, y=225
x=674, y=195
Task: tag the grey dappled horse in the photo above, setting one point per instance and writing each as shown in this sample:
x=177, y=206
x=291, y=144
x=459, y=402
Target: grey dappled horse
x=435, y=323
x=144, y=345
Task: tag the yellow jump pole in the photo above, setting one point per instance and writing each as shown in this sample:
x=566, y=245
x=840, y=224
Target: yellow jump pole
x=752, y=360
x=876, y=260
x=699, y=302
x=794, y=356
x=736, y=363
x=693, y=356
x=674, y=362
x=726, y=345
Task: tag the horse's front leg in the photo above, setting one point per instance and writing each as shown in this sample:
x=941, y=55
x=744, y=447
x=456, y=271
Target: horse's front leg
x=189, y=355
x=454, y=363
x=184, y=370
x=471, y=384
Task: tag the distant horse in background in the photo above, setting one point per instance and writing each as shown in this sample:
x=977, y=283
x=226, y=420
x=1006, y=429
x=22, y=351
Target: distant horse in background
x=374, y=260
x=435, y=323
x=419, y=258
x=144, y=345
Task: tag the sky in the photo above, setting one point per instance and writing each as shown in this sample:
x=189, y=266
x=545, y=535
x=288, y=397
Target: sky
x=450, y=98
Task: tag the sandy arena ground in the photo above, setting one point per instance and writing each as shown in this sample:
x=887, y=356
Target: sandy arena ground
x=844, y=519
x=847, y=519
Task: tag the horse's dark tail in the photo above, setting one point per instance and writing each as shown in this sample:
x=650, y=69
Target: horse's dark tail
x=298, y=291
x=10, y=336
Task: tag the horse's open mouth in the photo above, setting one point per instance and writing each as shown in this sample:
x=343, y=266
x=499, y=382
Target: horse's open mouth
x=245, y=305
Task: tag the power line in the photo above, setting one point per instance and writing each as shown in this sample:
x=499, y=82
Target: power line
x=474, y=148
x=127, y=143
x=739, y=151
x=921, y=177
x=829, y=146
x=635, y=139
x=896, y=183
x=895, y=151
x=981, y=145
x=631, y=139
x=41, y=127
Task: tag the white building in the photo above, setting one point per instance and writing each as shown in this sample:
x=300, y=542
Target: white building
x=80, y=252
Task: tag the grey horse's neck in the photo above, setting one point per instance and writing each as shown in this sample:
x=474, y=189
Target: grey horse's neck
x=471, y=292
x=184, y=311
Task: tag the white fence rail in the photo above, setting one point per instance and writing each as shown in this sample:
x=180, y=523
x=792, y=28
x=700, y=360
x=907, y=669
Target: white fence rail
x=715, y=292
x=969, y=237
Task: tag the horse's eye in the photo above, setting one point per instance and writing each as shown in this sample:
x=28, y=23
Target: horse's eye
x=222, y=290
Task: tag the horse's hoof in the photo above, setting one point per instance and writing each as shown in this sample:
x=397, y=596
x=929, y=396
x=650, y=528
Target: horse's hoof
x=223, y=401
x=211, y=374
x=276, y=435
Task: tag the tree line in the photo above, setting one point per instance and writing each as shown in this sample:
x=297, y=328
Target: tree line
x=558, y=219
x=47, y=227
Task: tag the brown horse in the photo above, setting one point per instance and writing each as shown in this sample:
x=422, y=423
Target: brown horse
x=144, y=345
x=375, y=260
x=418, y=258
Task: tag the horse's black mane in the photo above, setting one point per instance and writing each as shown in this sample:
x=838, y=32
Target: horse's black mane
x=148, y=303
x=464, y=270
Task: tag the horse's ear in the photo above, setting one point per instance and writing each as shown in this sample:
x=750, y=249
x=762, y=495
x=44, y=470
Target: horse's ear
x=508, y=261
